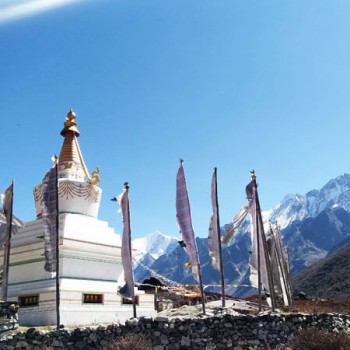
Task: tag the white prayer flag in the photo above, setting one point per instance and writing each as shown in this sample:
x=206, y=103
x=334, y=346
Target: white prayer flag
x=257, y=237
x=234, y=224
x=6, y=239
x=214, y=234
x=183, y=214
x=49, y=215
x=127, y=291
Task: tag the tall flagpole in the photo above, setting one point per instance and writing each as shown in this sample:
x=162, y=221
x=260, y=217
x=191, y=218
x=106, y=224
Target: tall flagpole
x=128, y=290
x=266, y=255
x=8, y=246
x=223, y=298
x=288, y=277
x=50, y=215
x=183, y=214
x=284, y=263
x=258, y=250
x=58, y=296
x=275, y=236
x=126, y=186
x=201, y=288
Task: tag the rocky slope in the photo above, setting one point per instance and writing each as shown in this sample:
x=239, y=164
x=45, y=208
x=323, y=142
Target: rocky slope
x=329, y=278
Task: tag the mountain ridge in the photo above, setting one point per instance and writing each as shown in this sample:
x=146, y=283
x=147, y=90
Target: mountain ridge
x=312, y=225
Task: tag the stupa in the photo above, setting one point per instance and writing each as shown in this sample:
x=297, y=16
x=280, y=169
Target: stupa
x=90, y=254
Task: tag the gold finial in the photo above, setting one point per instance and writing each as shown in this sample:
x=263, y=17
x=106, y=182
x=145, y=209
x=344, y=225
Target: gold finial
x=70, y=124
x=95, y=179
x=70, y=115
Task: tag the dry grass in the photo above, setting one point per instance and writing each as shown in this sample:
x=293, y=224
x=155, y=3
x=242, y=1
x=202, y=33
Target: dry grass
x=339, y=306
x=132, y=342
x=314, y=339
x=129, y=342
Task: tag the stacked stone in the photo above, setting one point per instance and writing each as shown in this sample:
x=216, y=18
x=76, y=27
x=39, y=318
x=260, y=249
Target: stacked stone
x=8, y=317
x=244, y=332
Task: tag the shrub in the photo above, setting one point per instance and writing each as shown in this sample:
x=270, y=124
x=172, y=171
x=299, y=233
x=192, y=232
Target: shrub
x=132, y=342
x=315, y=339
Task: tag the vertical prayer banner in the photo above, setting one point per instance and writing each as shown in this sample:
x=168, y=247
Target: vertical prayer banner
x=127, y=291
x=183, y=214
x=260, y=265
x=6, y=238
x=214, y=238
x=214, y=234
x=50, y=217
x=257, y=260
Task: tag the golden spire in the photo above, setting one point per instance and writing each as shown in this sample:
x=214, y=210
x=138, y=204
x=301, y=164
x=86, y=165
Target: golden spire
x=71, y=161
x=70, y=151
x=70, y=124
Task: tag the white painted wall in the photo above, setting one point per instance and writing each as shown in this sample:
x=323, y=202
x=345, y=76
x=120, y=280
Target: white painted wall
x=90, y=262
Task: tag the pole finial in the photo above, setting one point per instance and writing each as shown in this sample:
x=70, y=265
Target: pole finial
x=126, y=185
x=54, y=159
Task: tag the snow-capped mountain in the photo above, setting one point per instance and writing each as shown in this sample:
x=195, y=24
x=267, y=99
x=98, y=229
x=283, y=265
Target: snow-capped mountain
x=336, y=193
x=150, y=249
x=312, y=224
x=155, y=244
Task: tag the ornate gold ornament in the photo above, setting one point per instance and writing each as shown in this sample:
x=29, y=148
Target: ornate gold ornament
x=95, y=179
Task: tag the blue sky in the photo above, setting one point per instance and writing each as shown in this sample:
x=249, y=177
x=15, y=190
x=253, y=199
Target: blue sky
x=239, y=85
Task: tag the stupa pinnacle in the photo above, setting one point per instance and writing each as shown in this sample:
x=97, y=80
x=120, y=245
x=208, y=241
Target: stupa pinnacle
x=71, y=164
x=70, y=124
x=77, y=190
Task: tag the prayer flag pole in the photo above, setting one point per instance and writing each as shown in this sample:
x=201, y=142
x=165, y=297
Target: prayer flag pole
x=58, y=294
x=126, y=186
x=223, y=298
x=183, y=214
x=127, y=291
x=8, y=209
x=50, y=214
x=261, y=235
x=201, y=288
x=259, y=259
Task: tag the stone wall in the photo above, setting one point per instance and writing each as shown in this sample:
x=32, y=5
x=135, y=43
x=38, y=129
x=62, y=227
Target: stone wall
x=8, y=317
x=207, y=333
